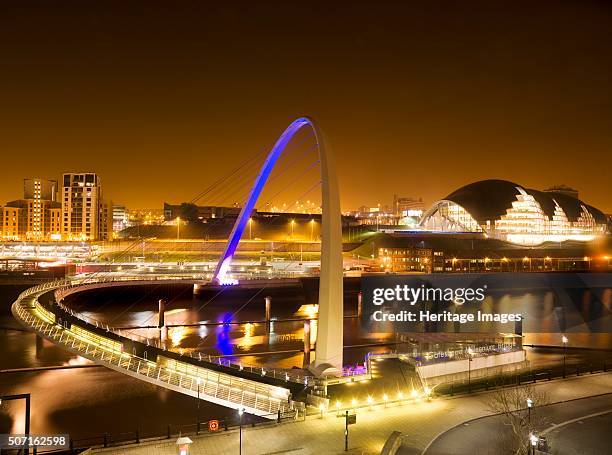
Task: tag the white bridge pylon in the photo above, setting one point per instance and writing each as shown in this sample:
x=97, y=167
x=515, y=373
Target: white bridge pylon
x=329, y=341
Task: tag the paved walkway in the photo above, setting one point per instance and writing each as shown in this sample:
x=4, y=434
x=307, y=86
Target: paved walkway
x=420, y=423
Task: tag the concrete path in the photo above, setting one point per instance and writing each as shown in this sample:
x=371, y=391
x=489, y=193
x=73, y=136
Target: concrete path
x=420, y=422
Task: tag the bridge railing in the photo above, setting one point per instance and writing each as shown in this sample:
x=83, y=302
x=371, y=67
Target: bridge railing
x=256, y=398
x=65, y=287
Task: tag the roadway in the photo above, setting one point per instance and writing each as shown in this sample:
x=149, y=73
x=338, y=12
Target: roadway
x=418, y=421
x=583, y=436
x=482, y=436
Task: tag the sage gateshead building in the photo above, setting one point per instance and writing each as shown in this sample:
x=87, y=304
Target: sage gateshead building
x=510, y=212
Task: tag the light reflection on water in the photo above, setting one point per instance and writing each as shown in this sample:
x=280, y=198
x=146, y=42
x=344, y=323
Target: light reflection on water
x=86, y=401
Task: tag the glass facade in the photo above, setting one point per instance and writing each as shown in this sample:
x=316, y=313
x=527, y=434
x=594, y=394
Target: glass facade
x=525, y=222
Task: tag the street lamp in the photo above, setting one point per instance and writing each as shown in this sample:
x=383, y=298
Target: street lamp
x=564, y=340
x=26, y=397
x=292, y=223
x=240, y=412
x=529, y=406
x=470, y=353
x=199, y=382
x=312, y=223
x=251, y=228
x=533, y=439
x=178, y=227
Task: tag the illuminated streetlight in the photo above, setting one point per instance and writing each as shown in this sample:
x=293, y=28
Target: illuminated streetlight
x=533, y=439
x=470, y=354
x=292, y=223
x=529, y=406
x=199, y=382
x=312, y=223
x=251, y=228
x=240, y=412
x=178, y=227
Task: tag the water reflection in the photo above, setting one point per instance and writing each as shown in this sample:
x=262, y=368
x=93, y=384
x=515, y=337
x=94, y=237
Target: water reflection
x=84, y=400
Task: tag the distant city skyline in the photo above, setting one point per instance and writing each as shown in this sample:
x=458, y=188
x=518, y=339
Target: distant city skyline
x=384, y=201
x=415, y=99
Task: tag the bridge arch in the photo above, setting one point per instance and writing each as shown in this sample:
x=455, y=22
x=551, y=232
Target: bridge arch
x=330, y=322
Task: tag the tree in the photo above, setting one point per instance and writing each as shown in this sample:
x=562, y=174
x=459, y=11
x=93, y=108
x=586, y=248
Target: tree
x=188, y=212
x=511, y=404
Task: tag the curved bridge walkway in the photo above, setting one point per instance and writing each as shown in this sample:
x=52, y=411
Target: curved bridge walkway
x=226, y=389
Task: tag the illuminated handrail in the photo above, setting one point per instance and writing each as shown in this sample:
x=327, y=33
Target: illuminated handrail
x=63, y=286
x=217, y=385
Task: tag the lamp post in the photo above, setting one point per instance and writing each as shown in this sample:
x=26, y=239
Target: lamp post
x=533, y=441
x=178, y=227
x=240, y=412
x=564, y=340
x=470, y=353
x=346, y=424
x=26, y=397
x=199, y=382
x=292, y=223
x=312, y=223
x=251, y=228
x=529, y=406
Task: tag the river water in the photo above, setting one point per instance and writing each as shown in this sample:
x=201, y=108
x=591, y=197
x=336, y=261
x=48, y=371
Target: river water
x=90, y=401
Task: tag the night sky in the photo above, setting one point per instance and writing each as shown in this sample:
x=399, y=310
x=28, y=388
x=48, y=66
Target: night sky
x=416, y=98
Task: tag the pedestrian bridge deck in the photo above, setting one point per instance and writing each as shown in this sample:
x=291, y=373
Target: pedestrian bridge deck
x=228, y=390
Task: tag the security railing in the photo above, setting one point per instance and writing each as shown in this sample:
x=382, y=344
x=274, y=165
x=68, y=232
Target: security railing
x=66, y=287
x=257, y=398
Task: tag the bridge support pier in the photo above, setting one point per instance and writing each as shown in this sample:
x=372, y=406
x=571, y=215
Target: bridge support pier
x=163, y=336
x=268, y=308
x=162, y=313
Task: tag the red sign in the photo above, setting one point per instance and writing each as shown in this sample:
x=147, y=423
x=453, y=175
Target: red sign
x=213, y=425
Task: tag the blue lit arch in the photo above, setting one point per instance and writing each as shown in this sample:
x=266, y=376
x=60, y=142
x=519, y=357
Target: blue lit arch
x=330, y=321
x=241, y=223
